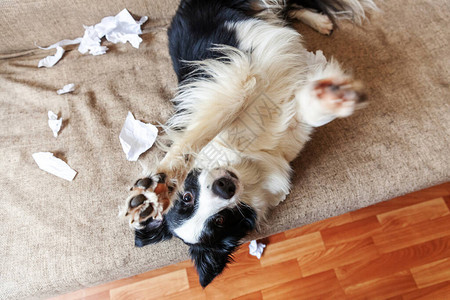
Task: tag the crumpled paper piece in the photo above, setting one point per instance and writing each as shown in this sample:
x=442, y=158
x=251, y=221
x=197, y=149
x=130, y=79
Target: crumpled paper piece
x=54, y=123
x=256, y=249
x=68, y=88
x=136, y=137
x=51, y=60
x=120, y=28
x=53, y=165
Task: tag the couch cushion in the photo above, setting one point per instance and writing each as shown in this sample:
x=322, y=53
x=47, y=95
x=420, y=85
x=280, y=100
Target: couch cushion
x=24, y=23
x=57, y=236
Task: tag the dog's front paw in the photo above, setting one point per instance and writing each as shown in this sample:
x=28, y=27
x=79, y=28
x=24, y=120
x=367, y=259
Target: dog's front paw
x=150, y=198
x=340, y=97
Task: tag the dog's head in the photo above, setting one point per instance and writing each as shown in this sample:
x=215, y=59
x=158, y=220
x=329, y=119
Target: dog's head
x=209, y=217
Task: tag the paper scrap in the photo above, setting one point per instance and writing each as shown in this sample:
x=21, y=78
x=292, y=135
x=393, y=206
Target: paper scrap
x=68, y=88
x=91, y=42
x=62, y=43
x=54, y=123
x=120, y=28
x=256, y=249
x=51, y=60
x=136, y=137
x=53, y=165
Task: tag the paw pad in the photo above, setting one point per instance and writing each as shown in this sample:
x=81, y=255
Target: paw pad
x=149, y=199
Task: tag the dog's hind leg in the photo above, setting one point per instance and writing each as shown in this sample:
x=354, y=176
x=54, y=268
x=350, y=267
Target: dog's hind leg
x=329, y=93
x=320, y=22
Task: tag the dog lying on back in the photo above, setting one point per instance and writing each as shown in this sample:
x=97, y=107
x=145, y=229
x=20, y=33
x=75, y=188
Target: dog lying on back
x=249, y=97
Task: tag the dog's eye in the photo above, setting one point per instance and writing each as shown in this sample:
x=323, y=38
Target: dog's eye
x=188, y=198
x=219, y=221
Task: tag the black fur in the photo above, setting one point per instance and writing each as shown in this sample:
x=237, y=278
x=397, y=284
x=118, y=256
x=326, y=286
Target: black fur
x=200, y=24
x=153, y=232
x=220, y=240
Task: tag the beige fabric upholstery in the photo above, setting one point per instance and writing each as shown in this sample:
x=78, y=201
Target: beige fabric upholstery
x=58, y=236
x=26, y=22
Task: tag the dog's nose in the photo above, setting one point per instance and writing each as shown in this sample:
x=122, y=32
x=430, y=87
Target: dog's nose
x=224, y=187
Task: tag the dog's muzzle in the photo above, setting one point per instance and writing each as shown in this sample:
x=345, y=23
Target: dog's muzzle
x=224, y=187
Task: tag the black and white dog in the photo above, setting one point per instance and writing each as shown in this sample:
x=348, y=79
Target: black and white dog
x=249, y=97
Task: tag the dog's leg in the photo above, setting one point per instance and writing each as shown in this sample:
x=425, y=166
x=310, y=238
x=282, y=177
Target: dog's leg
x=329, y=94
x=152, y=197
x=314, y=19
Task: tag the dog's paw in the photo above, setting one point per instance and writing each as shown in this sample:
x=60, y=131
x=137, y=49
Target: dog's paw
x=340, y=97
x=149, y=199
x=323, y=24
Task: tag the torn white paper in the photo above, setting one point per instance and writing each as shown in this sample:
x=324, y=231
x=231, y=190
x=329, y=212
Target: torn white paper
x=68, y=88
x=53, y=165
x=62, y=43
x=136, y=137
x=256, y=249
x=54, y=123
x=120, y=28
x=51, y=60
x=91, y=42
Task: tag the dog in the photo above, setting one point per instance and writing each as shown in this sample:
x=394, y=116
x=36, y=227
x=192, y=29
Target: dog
x=249, y=97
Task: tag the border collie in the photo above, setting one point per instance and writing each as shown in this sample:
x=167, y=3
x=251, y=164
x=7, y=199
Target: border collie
x=249, y=97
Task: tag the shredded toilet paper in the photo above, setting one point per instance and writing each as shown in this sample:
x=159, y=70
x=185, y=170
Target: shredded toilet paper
x=256, y=249
x=136, y=137
x=68, y=88
x=54, y=123
x=53, y=165
x=120, y=28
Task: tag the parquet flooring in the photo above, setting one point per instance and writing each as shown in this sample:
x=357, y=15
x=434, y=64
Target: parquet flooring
x=398, y=249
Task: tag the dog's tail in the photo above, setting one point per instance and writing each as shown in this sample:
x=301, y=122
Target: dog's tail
x=353, y=10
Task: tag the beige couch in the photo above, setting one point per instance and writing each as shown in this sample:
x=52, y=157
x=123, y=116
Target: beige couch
x=57, y=236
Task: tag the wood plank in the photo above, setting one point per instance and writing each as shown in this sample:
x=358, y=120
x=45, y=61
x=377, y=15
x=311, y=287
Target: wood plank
x=402, y=201
x=413, y=214
x=193, y=293
x=414, y=234
x=317, y=226
x=437, y=291
x=153, y=288
x=382, y=287
x=253, y=281
x=336, y=256
x=278, y=237
x=393, y=262
x=447, y=201
x=432, y=273
x=292, y=248
x=252, y=296
x=96, y=290
x=352, y=231
x=319, y=286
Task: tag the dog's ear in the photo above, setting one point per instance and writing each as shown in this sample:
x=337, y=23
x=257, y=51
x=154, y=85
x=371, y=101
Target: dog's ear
x=154, y=231
x=210, y=262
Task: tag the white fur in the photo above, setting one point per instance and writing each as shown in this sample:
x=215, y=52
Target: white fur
x=253, y=113
x=318, y=21
x=264, y=95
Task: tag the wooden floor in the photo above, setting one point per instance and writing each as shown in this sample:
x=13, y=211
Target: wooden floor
x=398, y=249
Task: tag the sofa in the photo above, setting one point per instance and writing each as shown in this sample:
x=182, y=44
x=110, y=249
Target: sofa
x=59, y=236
